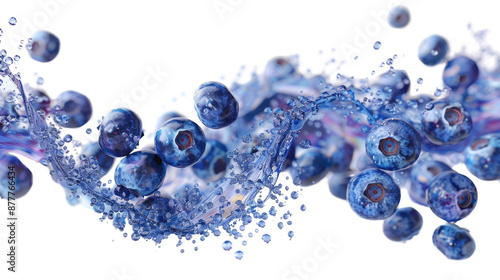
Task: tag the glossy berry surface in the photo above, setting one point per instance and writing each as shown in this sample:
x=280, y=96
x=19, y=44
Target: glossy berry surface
x=120, y=132
x=104, y=161
x=19, y=175
x=372, y=194
x=180, y=142
x=403, y=225
x=392, y=84
x=460, y=72
x=398, y=17
x=337, y=183
x=215, y=105
x=74, y=109
x=312, y=166
x=421, y=175
x=141, y=172
x=451, y=196
x=394, y=144
x=446, y=123
x=482, y=157
x=212, y=165
x=454, y=242
x=433, y=50
x=44, y=46
x=341, y=158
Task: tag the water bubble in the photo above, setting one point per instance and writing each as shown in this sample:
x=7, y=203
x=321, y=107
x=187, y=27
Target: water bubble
x=377, y=45
x=238, y=255
x=420, y=81
x=303, y=207
x=291, y=234
x=12, y=21
x=68, y=138
x=40, y=81
x=227, y=245
x=266, y=238
x=305, y=144
x=88, y=131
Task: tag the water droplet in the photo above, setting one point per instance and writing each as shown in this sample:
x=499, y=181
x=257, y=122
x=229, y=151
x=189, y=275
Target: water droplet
x=40, y=81
x=12, y=21
x=227, y=245
x=238, y=255
x=88, y=131
x=266, y=238
x=420, y=81
x=377, y=45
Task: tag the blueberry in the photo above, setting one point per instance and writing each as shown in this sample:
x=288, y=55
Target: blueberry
x=398, y=17
x=180, y=142
x=337, y=184
x=403, y=225
x=451, y=196
x=454, y=242
x=482, y=157
x=44, y=46
x=120, y=132
x=278, y=69
x=342, y=157
x=421, y=176
x=394, y=144
x=392, y=84
x=75, y=109
x=104, y=161
x=167, y=116
x=312, y=166
x=215, y=105
x=460, y=72
x=372, y=194
x=212, y=165
x=447, y=123
x=433, y=50
x=141, y=172
x=19, y=174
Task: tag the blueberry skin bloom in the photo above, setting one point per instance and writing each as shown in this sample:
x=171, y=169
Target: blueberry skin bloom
x=393, y=83
x=398, y=17
x=180, y=142
x=215, y=105
x=432, y=50
x=454, y=242
x=20, y=175
x=337, y=183
x=104, y=161
x=141, y=172
x=120, y=132
x=373, y=195
x=421, y=175
x=482, y=157
x=44, y=46
x=212, y=166
x=394, y=144
x=312, y=166
x=75, y=109
x=403, y=225
x=447, y=123
x=460, y=72
x=451, y=196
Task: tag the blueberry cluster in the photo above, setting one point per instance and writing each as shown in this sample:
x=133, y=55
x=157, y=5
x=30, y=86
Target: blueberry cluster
x=368, y=138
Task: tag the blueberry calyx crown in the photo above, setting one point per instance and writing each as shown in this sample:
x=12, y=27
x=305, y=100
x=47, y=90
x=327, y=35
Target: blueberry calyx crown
x=375, y=192
x=454, y=115
x=184, y=140
x=389, y=146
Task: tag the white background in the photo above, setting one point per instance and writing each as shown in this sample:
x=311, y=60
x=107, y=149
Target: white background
x=109, y=48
